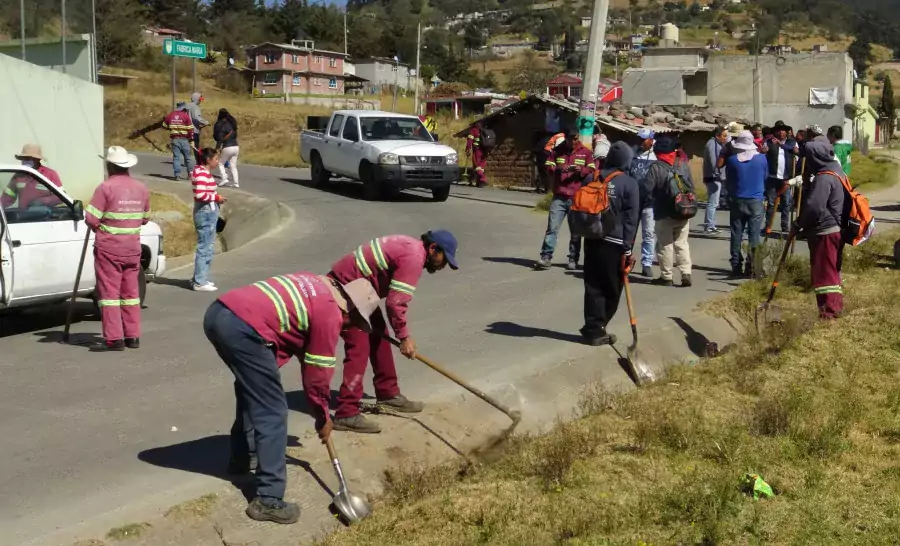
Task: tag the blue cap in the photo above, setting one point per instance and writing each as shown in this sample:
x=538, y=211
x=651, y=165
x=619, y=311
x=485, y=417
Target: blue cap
x=646, y=133
x=447, y=242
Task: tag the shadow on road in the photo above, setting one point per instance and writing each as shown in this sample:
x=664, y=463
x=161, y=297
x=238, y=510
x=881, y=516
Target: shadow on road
x=77, y=340
x=23, y=321
x=297, y=401
x=512, y=329
x=186, y=284
x=523, y=262
x=716, y=270
x=698, y=343
x=887, y=208
x=354, y=190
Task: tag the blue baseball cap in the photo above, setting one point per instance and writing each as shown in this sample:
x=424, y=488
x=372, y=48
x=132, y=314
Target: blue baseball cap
x=447, y=242
x=646, y=133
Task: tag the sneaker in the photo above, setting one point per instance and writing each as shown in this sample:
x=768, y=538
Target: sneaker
x=133, y=342
x=402, y=404
x=208, y=287
x=686, y=281
x=606, y=339
x=572, y=266
x=274, y=510
x=712, y=230
x=662, y=282
x=242, y=465
x=647, y=271
x=356, y=423
x=109, y=346
x=543, y=263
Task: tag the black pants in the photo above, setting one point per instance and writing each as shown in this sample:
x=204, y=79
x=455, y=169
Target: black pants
x=262, y=411
x=603, y=283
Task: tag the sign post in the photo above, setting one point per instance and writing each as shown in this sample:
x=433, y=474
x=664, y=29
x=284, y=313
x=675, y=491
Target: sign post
x=183, y=48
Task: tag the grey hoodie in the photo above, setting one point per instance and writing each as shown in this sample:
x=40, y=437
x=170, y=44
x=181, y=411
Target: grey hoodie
x=193, y=108
x=710, y=159
x=624, y=196
x=823, y=197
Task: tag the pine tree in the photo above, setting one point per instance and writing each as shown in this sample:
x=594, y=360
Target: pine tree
x=887, y=107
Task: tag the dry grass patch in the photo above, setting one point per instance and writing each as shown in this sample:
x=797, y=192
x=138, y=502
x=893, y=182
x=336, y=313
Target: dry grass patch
x=198, y=508
x=813, y=408
x=175, y=217
x=130, y=531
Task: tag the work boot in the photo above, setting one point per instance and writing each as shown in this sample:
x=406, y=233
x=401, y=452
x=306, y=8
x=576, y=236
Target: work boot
x=133, y=342
x=647, y=271
x=605, y=339
x=481, y=184
x=572, y=266
x=543, y=263
x=109, y=346
x=686, y=281
x=275, y=510
x=402, y=404
x=356, y=423
x=662, y=282
x=239, y=465
x=748, y=268
x=736, y=271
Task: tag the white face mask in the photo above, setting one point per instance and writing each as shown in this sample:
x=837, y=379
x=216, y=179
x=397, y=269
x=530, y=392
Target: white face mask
x=28, y=163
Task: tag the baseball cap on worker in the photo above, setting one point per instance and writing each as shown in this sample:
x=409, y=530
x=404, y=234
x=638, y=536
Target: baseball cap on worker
x=446, y=242
x=646, y=133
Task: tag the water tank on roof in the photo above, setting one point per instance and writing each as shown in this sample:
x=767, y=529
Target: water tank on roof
x=670, y=32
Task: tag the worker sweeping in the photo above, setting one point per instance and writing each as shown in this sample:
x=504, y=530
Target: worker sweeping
x=118, y=209
x=393, y=265
x=475, y=148
x=256, y=330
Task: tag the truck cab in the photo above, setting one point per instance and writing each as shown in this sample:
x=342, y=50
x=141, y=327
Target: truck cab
x=41, y=242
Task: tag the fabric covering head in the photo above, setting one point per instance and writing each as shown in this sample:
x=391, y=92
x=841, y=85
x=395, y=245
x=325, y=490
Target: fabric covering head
x=745, y=146
x=820, y=155
x=619, y=157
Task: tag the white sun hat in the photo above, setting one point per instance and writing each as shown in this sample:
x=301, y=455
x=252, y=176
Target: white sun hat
x=120, y=157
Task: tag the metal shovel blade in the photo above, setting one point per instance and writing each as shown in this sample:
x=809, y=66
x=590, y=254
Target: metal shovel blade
x=352, y=507
x=639, y=367
x=766, y=314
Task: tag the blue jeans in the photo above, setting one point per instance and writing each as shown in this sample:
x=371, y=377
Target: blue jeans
x=713, y=191
x=648, y=237
x=746, y=215
x=261, y=410
x=559, y=211
x=206, y=215
x=181, y=151
x=784, y=204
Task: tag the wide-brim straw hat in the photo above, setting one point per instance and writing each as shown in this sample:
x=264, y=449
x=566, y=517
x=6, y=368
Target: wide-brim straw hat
x=31, y=151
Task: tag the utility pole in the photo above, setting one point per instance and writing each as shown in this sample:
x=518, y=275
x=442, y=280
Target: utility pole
x=396, y=81
x=173, y=82
x=63, y=25
x=95, y=71
x=193, y=75
x=345, y=30
x=22, y=26
x=757, y=86
x=418, y=67
x=596, y=42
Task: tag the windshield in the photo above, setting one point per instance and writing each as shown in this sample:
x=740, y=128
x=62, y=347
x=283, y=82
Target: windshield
x=389, y=128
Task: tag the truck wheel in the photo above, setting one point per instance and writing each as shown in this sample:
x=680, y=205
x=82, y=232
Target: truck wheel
x=371, y=186
x=319, y=175
x=142, y=285
x=440, y=194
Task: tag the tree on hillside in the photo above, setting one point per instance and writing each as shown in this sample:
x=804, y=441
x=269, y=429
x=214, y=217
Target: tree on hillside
x=473, y=36
x=860, y=50
x=888, y=107
x=528, y=75
x=119, y=29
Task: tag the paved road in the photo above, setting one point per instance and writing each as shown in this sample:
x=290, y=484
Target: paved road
x=75, y=424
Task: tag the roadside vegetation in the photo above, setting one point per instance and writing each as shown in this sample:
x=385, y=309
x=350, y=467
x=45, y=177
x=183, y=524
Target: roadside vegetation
x=175, y=217
x=812, y=408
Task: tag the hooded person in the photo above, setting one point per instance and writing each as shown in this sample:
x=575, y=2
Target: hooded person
x=745, y=172
x=820, y=221
x=608, y=259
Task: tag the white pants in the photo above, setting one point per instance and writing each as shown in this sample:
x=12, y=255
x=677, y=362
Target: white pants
x=672, y=246
x=229, y=155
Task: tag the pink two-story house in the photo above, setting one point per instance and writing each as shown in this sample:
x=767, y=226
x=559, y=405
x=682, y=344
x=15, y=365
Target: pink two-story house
x=297, y=68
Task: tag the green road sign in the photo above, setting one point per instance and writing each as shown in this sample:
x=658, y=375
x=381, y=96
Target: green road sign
x=177, y=48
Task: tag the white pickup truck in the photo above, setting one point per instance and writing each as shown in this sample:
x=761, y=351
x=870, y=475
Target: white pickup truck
x=41, y=243
x=382, y=149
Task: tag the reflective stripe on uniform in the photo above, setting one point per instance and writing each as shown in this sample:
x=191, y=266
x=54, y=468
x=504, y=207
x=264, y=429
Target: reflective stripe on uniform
x=126, y=303
x=120, y=230
x=402, y=287
x=110, y=303
x=549, y=164
x=561, y=160
x=361, y=262
x=10, y=192
x=280, y=308
x=833, y=289
x=319, y=361
x=296, y=299
x=93, y=211
x=380, y=260
x=579, y=162
x=471, y=137
x=124, y=215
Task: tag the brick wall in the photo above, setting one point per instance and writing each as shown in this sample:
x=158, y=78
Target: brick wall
x=519, y=136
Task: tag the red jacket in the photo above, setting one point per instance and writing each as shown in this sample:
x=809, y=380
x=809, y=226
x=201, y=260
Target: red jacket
x=567, y=181
x=179, y=124
x=118, y=209
x=27, y=190
x=393, y=264
x=473, y=141
x=297, y=314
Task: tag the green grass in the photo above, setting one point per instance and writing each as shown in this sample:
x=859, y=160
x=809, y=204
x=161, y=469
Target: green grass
x=125, y=532
x=873, y=172
x=813, y=408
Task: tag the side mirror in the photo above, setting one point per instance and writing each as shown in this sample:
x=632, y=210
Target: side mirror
x=78, y=210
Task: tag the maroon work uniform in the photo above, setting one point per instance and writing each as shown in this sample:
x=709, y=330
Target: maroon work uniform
x=393, y=264
x=27, y=191
x=297, y=314
x=473, y=147
x=567, y=180
x=179, y=124
x=118, y=209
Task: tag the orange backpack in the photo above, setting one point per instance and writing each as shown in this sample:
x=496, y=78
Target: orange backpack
x=590, y=211
x=857, y=222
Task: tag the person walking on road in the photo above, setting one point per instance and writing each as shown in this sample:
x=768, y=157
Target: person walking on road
x=193, y=108
x=746, y=178
x=608, y=260
x=568, y=165
x=256, y=330
x=181, y=136
x=671, y=232
x=119, y=207
x=782, y=157
x=820, y=220
x=393, y=265
x=225, y=132
x=475, y=150
x=644, y=157
x=206, y=214
x=713, y=177
x=25, y=190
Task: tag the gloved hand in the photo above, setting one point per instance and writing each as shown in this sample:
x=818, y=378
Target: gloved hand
x=628, y=262
x=796, y=181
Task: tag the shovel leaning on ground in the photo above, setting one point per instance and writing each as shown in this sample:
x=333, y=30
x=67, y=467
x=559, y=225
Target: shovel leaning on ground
x=70, y=310
x=352, y=507
x=640, y=370
x=772, y=313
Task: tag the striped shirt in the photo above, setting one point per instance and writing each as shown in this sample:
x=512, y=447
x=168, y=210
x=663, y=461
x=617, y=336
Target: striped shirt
x=204, y=186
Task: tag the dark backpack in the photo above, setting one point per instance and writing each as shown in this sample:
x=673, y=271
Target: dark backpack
x=488, y=139
x=684, y=201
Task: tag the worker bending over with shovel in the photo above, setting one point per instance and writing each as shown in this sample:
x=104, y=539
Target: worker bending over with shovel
x=118, y=209
x=393, y=264
x=256, y=330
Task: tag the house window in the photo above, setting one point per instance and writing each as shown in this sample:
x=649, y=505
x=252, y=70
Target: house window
x=270, y=58
x=317, y=59
x=317, y=82
x=332, y=63
x=297, y=78
x=271, y=78
x=295, y=58
x=393, y=68
x=332, y=83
